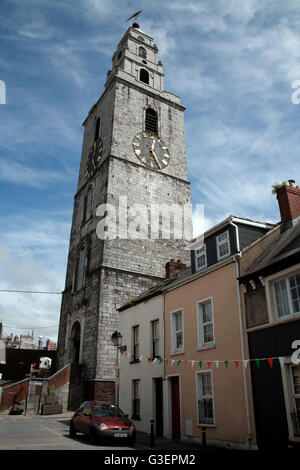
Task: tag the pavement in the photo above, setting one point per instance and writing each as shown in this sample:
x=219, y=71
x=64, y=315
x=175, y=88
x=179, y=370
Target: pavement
x=142, y=438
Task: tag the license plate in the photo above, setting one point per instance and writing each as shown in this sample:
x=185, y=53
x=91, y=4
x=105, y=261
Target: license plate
x=120, y=434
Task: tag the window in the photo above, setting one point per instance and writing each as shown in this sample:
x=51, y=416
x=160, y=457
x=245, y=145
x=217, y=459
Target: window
x=135, y=343
x=223, y=246
x=144, y=76
x=97, y=129
x=136, y=399
x=295, y=413
x=205, y=323
x=151, y=121
x=87, y=410
x=287, y=296
x=155, y=338
x=142, y=52
x=177, y=331
x=200, y=258
x=205, y=398
x=81, y=268
x=88, y=203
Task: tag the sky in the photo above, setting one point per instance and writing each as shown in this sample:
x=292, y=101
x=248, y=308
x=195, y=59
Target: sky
x=233, y=63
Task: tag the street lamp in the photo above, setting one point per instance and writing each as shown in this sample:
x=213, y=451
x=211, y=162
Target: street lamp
x=116, y=338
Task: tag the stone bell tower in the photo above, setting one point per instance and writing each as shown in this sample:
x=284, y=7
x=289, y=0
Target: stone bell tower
x=133, y=160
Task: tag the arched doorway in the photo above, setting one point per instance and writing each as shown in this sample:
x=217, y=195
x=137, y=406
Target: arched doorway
x=75, y=342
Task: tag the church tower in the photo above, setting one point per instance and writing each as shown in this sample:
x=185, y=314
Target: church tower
x=133, y=162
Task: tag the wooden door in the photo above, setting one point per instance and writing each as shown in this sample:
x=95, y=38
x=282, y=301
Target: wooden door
x=176, y=434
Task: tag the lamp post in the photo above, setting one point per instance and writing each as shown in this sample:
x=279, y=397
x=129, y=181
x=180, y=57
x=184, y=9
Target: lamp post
x=116, y=338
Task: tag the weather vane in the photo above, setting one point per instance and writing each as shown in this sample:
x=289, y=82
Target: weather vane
x=135, y=15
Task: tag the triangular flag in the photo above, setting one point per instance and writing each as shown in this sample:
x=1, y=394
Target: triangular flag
x=178, y=363
x=122, y=352
x=140, y=358
x=245, y=362
x=257, y=362
x=150, y=359
x=154, y=360
x=208, y=363
x=167, y=361
x=226, y=363
x=186, y=362
x=172, y=362
x=236, y=364
x=217, y=363
x=193, y=363
x=200, y=364
x=270, y=361
x=161, y=360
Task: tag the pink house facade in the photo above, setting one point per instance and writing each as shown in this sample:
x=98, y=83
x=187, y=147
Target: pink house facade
x=208, y=379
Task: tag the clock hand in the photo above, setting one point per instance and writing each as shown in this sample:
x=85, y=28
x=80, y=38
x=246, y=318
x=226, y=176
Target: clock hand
x=154, y=155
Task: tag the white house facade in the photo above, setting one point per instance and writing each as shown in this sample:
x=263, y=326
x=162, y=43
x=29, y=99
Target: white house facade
x=141, y=384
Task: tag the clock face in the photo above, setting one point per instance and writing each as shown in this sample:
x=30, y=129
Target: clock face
x=94, y=157
x=151, y=150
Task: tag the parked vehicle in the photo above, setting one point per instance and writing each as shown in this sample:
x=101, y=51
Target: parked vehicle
x=102, y=422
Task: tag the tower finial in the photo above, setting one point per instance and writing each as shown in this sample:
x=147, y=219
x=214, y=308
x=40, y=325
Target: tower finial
x=134, y=15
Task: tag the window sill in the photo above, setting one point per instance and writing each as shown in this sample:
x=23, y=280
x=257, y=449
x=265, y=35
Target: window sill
x=207, y=346
x=199, y=425
x=176, y=353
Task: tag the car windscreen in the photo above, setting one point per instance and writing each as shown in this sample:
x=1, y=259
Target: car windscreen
x=108, y=410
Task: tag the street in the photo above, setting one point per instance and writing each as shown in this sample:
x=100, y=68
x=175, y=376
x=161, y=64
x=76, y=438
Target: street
x=44, y=433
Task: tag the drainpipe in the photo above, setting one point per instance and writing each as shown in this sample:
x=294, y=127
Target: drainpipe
x=237, y=271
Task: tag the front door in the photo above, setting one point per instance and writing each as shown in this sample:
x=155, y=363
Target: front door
x=159, y=427
x=175, y=403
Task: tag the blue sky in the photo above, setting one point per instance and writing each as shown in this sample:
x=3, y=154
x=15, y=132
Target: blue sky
x=232, y=62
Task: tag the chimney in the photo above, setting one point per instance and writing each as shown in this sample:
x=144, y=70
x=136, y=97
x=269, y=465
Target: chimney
x=288, y=195
x=174, y=267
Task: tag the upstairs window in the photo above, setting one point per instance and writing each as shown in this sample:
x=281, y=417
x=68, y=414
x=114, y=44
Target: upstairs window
x=151, y=121
x=155, y=338
x=97, y=129
x=205, y=324
x=177, y=332
x=223, y=245
x=200, y=258
x=81, y=268
x=88, y=204
x=135, y=343
x=287, y=296
x=144, y=76
x=142, y=52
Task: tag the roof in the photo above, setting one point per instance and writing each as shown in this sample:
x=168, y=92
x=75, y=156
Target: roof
x=230, y=219
x=157, y=289
x=286, y=248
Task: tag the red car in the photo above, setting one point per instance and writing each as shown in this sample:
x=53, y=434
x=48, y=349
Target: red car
x=102, y=421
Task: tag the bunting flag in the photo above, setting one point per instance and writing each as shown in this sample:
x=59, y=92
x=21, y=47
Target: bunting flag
x=208, y=363
x=270, y=361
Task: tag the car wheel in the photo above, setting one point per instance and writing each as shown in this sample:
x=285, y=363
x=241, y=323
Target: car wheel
x=72, y=431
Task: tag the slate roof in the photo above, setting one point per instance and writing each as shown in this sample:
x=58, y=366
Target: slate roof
x=286, y=248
